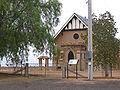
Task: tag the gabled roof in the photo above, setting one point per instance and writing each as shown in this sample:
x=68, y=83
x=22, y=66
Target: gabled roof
x=81, y=18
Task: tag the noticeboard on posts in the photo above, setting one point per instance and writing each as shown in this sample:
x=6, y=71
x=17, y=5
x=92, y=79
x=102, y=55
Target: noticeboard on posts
x=73, y=61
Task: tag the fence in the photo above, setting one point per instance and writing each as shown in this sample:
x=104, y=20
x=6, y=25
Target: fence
x=35, y=70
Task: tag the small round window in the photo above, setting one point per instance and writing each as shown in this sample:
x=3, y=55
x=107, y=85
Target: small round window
x=75, y=36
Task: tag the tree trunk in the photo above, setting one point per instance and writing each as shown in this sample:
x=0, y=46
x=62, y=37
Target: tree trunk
x=106, y=70
x=110, y=70
x=15, y=67
x=21, y=66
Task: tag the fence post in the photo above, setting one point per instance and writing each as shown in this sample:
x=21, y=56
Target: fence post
x=64, y=71
x=45, y=69
x=26, y=70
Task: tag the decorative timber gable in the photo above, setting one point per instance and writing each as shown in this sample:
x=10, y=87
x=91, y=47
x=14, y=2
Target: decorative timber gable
x=75, y=22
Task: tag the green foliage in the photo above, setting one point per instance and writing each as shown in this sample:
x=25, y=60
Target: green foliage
x=25, y=23
x=106, y=46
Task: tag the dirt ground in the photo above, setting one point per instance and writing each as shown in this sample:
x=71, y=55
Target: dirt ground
x=54, y=81
x=17, y=82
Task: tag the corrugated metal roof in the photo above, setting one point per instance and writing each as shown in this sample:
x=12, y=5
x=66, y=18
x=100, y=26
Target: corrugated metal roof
x=84, y=19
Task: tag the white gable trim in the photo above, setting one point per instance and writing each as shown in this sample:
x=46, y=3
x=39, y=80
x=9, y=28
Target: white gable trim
x=74, y=14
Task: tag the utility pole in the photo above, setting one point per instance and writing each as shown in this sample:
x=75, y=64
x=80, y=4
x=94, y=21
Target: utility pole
x=90, y=47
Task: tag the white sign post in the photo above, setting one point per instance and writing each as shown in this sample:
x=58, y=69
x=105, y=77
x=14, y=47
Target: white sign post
x=72, y=62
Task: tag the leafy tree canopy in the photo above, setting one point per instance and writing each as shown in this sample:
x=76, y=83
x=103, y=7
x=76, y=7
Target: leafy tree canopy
x=25, y=23
x=106, y=46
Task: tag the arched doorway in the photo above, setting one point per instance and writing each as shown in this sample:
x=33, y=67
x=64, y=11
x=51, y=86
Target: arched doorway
x=70, y=55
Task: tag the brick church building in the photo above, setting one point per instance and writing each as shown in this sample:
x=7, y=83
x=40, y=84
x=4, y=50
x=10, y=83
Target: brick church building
x=71, y=43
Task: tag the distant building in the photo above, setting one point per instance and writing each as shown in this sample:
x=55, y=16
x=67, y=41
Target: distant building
x=71, y=41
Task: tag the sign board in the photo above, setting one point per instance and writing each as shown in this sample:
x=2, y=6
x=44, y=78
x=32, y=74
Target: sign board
x=89, y=63
x=89, y=55
x=73, y=61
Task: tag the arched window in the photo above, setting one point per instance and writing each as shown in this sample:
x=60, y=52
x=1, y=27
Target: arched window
x=70, y=55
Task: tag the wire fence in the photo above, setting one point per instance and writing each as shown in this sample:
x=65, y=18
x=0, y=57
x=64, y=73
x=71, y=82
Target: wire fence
x=53, y=71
